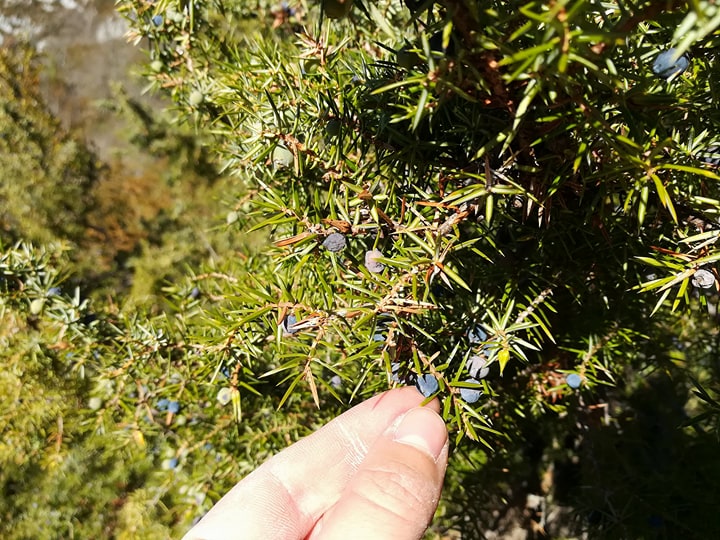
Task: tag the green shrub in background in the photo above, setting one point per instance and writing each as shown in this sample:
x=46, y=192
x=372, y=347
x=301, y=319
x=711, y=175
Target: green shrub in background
x=116, y=424
x=46, y=175
x=131, y=223
x=512, y=204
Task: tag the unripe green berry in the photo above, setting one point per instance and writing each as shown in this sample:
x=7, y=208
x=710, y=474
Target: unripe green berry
x=337, y=9
x=413, y=5
x=407, y=59
x=196, y=98
x=36, y=306
x=282, y=157
x=95, y=403
x=332, y=128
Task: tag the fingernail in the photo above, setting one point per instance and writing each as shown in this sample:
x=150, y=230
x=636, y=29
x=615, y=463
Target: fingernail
x=424, y=429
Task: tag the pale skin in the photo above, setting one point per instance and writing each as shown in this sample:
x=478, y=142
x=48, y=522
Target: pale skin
x=375, y=471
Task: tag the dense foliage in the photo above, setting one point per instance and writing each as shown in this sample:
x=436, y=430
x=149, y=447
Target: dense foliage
x=512, y=204
x=46, y=175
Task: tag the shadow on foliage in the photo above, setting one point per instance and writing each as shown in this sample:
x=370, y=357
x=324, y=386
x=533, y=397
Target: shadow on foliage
x=639, y=474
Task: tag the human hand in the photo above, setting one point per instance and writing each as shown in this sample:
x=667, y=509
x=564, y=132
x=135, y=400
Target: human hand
x=374, y=472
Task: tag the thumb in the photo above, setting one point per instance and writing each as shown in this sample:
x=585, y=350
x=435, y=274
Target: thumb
x=396, y=489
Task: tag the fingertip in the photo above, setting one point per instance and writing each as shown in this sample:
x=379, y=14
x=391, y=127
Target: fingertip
x=410, y=397
x=396, y=489
x=423, y=429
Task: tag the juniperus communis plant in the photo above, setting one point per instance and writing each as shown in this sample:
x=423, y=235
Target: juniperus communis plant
x=526, y=175
x=534, y=171
x=535, y=178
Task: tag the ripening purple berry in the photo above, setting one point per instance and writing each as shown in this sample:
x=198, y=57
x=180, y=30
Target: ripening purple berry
x=334, y=242
x=395, y=369
x=573, y=380
x=427, y=385
x=169, y=463
x=476, y=335
x=379, y=340
x=372, y=263
x=470, y=395
x=224, y=396
x=289, y=325
x=703, y=279
x=666, y=65
x=711, y=156
x=477, y=366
